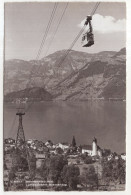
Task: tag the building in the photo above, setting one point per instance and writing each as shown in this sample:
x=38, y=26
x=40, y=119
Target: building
x=123, y=156
x=93, y=149
x=109, y=157
x=52, y=151
x=113, y=155
x=39, y=159
x=49, y=144
x=35, y=144
x=87, y=149
x=63, y=146
x=9, y=144
x=9, y=141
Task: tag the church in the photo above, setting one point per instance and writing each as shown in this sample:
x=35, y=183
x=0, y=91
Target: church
x=92, y=150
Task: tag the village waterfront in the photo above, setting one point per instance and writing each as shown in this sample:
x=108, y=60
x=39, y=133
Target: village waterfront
x=59, y=121
x=56, y=124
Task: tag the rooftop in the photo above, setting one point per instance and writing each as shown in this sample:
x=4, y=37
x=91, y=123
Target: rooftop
x=87, y=147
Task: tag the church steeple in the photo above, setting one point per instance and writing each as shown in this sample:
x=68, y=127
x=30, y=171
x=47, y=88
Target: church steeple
x=94, y=147
x=95, y=140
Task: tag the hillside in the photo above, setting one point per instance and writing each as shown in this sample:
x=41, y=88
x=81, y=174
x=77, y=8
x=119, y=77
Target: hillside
x=80, y=77
x=35, y=93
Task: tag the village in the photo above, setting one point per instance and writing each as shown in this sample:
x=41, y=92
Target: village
x=83, y=157
x=41, y=149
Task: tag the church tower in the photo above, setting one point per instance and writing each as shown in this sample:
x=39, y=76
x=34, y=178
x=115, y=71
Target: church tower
x=94, y=147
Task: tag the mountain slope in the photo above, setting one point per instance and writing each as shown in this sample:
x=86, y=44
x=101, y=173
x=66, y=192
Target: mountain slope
x=80, y=77
x=35, y=94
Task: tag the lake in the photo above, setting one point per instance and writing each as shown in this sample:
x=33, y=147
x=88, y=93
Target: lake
x=59, y=121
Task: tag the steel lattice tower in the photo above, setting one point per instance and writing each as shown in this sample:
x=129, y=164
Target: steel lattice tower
x=21, y=148
x=20, y=139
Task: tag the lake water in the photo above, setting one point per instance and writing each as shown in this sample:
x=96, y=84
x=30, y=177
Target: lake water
x=59, y=121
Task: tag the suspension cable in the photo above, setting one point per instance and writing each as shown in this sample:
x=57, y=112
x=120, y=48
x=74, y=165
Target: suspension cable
x=73, y=43
x=43, y=40
x=56, y=29
x=77, y=37
x=95, y=8
x=47, y=30
x=40, y=50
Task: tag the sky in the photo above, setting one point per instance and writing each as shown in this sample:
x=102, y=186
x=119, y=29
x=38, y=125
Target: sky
x=25, y=25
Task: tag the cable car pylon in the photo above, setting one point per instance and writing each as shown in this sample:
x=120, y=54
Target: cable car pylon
x=20, y=139
x=20, y=156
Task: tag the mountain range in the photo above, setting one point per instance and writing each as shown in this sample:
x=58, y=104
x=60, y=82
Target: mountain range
x=81, y=76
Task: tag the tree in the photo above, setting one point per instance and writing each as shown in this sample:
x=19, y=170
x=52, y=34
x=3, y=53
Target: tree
x=68, y=151
x=70, y=176
x=73, y=142
x=20, y=160
x=52, y=167
x=12, y=174
x=32, y=165
x=107, y=167
x=80, y=149
x=122, y=170
x=59, y=150
x=89, y=177
x=20, y=163
x=106, y=152
x=114, y=171
x=88, y=160
x=5, y=166
x=73, y=148
x=56, y=166
x=43, y=171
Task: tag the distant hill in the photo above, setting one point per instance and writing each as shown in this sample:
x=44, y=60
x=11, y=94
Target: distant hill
x=81, y=76
x=35, y=93
x=121, y=53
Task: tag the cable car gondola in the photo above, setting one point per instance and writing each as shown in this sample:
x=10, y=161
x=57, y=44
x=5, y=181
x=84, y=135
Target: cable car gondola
x=88, y=37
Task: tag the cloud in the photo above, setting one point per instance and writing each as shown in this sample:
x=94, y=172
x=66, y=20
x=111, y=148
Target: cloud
x=106, y=24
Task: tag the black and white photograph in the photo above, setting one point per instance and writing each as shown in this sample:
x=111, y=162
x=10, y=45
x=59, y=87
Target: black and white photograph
x=64, y=96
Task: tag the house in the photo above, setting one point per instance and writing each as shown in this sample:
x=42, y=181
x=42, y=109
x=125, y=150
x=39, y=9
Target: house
x=35, y=144
x=116, y=157
x=9, y=141
x=30, y=141
x=9, y=148
x=72, y=161
x=123, y=156
x=52, y=151
x=63, y=146
x=49, y=144
x=40, y=156
x=9, y=144
x=112, y=155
